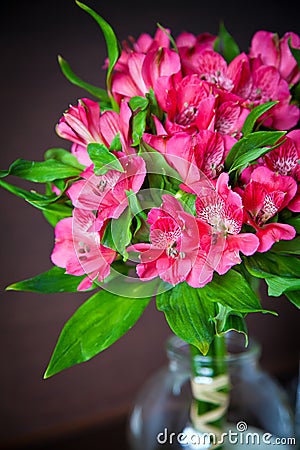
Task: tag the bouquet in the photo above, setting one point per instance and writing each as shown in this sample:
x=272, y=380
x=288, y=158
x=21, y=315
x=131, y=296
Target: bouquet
x=181, y=186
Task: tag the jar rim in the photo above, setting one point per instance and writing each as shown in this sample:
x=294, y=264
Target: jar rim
x=237, y=350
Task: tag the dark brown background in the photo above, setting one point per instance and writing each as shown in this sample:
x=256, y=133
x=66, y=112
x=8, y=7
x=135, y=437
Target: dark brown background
x=34, y=94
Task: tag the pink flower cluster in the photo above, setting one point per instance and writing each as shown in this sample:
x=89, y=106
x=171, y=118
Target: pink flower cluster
x=204, y=102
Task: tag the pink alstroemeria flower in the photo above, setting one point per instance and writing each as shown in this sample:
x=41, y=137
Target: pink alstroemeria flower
x=174, y=253
x=260, y=83
x=78, y=249
x=193, y=156
x=142, y=72
x=212, y=67
x=251, y=80
x=143, y=44
x=189, y=46
x=266, y=194
x=221, y=210
x=188, y=102
x=84, y=124
x=275, y=51
x=106, y=193
x=192, y=104
x=284, y=160
x=142, y=61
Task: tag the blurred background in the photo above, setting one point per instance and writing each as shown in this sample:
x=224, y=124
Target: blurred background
x=92, y=397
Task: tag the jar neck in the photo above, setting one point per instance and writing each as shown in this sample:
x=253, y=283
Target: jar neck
x=237, y=355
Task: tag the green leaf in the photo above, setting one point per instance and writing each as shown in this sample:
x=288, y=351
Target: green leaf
x=294, y=297
x=281, y=273
x=139, y=106
x=155, y=109
x=231, y=290
x=187, y=200
x=250, y=147
x=95, y=326
x=31, y=196
x=255, y=114
x=138, y=126
x=287, y=247
x=54, y=280
x=103, y=159
x=117, y=235
x=74, y=79
x=188, y=315
x=4, y=173
x=43, y=171
x=226, y=45
x=227, y=319
x=278, y=285
x=43, y=202
x=113, y=46
x=262, y=265
x=53, y=217
x=157, y=164
x=63, y=156
x=295, y=222
x=116, y=144
x=138, y=102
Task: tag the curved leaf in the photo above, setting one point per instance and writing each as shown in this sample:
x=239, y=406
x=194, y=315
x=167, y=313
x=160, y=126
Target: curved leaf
x=96, y=325
x=231, y=290
x=113, y=46
x=225, y=44
x=100, y=93
x=54, y=280
x=255, y=114
x=43, y=171
x=188, y=316
x=250, y=147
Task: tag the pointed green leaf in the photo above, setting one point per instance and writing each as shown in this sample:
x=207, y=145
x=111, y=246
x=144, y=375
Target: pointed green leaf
x=116, y=144
x=138, y=126
x=42, y=171
x=74, y=79
x=113, y=46
x=295, y=222
x=117, y=234
x=138, y=102
x=63, y=156
x=227, y=319
x=95, y=326
x=278, y=285
x=54, y=280
x=263, y=265
x=287, y=247
x=30, y=196
x=231, y=290
x=188, y=316
x=157, y=164
x=53, y=217
x=226, y=45
x=43, y=202
x=4, y=173
x=103, y=159
x=255, y=114
x=249, y=147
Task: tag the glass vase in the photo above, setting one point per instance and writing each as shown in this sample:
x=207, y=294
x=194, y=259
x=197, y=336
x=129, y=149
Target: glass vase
x=256, y=408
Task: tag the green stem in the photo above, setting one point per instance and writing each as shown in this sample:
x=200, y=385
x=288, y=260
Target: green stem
x=217, y=365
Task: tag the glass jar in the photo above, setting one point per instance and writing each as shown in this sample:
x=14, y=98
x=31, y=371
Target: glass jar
x=259, y=413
